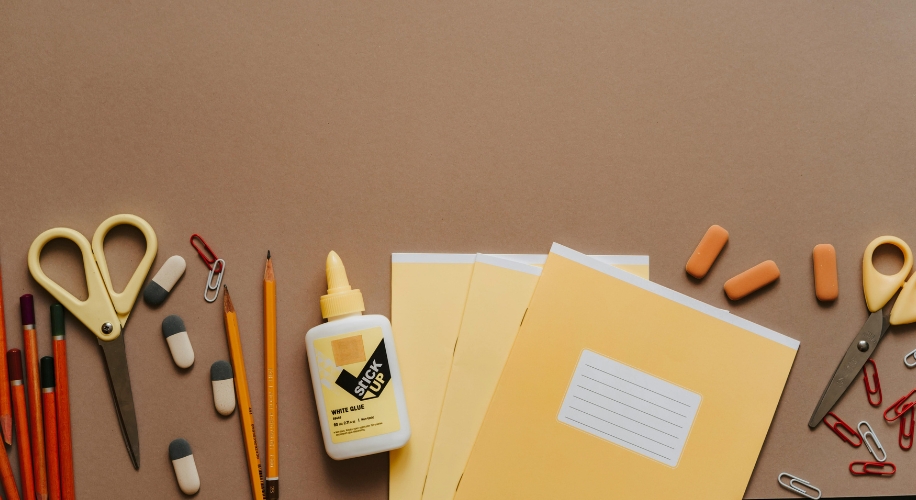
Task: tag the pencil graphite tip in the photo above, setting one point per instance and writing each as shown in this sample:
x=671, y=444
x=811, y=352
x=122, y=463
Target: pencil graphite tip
x=227, y=301
x=268, y=255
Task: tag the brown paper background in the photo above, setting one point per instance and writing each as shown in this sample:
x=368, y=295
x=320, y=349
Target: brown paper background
x=379, y=127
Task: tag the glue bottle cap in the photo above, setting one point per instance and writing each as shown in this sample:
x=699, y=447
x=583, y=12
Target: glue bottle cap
x=341, y=299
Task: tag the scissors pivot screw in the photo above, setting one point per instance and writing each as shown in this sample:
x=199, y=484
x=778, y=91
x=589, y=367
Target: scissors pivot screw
x=863, y=345
x=107, y=328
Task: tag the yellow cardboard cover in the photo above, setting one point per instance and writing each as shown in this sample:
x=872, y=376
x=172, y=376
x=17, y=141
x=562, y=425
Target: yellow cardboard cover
x=591, y=330
x=498, y=296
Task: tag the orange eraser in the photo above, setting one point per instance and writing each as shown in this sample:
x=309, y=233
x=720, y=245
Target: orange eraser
x=826, y=286
x=751, y=280
x=712, y=243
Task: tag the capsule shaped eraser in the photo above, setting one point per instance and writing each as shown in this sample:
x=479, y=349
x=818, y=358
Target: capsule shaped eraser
x=160, y=287
x=752, y=280
x=185, y=468
x=223, y=387
x=706, y=252
x=176, y=336
x=826, y=285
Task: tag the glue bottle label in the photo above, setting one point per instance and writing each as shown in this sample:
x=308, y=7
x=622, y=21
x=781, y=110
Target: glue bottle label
x=354, y=374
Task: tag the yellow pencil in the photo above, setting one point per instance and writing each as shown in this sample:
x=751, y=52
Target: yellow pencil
x=270, y=380
x=243, y=397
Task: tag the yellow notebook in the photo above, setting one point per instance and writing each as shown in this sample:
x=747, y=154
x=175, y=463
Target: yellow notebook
x=617, y=387
x=498, y=295
x=427, y=301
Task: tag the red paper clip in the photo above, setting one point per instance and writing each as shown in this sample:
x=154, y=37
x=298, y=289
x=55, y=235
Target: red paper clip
x=872, y=468
x=206, y=253
x=839, y=423
x=869, y=389
x=907, y=435
x=900, y=408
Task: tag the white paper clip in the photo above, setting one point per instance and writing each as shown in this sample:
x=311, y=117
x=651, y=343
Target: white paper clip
x=791, y=485
x=874, y=437
x=911, y=354
x=220, y=265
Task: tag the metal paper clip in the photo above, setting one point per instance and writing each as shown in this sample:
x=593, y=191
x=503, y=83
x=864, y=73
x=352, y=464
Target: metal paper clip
x=791, y=485
x=217, y=267
x=911, y=354
x=840, y=424
x=874, y=437
x=211, y=286
x=872, y=468
x=899, y=407
x=869, y=388
x=907, y=435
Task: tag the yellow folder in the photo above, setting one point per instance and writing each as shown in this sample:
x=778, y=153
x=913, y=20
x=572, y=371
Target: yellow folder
x=498, y=295
x=617, y=387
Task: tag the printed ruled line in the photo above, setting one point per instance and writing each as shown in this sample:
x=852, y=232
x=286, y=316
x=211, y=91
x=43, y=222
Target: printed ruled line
x=634, y=396
x=637, y=385
x=624, y=428
x=628, y=406
x=624, y=416
x=617, y=438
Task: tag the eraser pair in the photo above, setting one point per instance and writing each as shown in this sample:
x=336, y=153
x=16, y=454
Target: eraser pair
x=739, y=286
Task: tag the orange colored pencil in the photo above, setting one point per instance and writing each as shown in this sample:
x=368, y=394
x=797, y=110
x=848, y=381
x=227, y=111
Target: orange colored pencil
x=50, y=413
x=6, y=412
x=270, y=381
x=62, y=393
x=36, y=420
x=26, y=478
x=7, y=477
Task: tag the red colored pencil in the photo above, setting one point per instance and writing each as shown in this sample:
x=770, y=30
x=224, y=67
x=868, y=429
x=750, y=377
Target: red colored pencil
x=6, y=412
x=50, y=414
x=36, y=424
x=26, y=479
x=62, y=391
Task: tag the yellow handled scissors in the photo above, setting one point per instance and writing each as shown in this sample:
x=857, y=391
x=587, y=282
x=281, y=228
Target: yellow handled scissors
x=879, y=290
x=104, y=312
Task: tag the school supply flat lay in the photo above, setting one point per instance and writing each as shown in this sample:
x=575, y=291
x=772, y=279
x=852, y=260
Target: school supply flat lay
x=499, y=376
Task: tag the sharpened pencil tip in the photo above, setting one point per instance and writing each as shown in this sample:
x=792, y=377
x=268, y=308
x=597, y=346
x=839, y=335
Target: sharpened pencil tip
x=227, y=301
x=268, y=254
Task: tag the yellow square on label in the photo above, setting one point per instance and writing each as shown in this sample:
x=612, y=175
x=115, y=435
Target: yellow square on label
x=349, y=350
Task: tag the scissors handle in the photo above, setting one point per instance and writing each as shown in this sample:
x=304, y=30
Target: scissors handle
x=879, y=288
x=124, y=301
x=96, y=310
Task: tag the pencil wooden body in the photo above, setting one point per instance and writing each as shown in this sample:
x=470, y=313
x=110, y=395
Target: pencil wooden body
x=67, y=484
x=23, y=446
x=246, y=417
x=50, y=411
x=6, y=412
x=36, y=420
x=7, y=478
x=270, y=382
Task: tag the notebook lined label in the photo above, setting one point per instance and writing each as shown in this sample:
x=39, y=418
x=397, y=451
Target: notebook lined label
x=629, y=408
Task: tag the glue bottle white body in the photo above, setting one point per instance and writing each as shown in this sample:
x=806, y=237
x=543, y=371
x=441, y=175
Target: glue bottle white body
x=355, y=374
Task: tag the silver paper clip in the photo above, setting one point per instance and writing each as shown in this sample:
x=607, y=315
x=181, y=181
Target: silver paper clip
x=874, y=437
x=219, y=267
x=791, y=485
x=911, y=354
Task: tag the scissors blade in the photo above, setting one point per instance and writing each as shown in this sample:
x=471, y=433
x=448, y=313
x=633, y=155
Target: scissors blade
x=119, y=381
x=871, y=332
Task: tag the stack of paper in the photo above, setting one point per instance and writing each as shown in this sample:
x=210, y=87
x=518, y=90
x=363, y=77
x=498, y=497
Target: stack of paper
x=611, y=384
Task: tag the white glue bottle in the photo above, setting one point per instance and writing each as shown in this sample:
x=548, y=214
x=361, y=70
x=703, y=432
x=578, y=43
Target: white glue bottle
x=355, y=374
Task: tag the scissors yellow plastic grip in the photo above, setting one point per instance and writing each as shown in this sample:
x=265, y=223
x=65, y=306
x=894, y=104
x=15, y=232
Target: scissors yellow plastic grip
x=879, y=290
x=104, y=312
